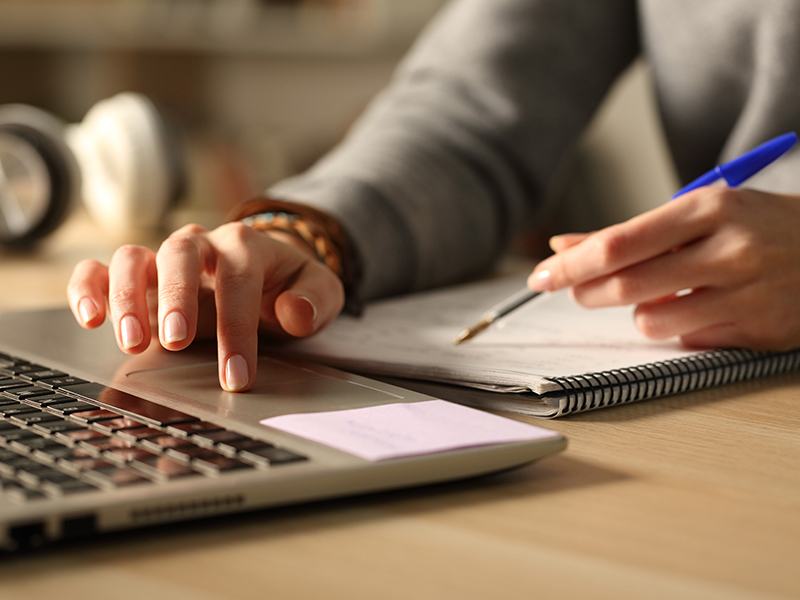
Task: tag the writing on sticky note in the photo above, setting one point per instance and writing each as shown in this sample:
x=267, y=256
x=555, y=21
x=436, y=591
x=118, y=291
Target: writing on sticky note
x=406, y=429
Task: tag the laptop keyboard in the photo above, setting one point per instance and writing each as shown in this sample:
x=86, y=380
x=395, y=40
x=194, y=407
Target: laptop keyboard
x=63, y=435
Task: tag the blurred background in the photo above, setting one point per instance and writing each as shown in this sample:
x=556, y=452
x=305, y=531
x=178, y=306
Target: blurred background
x=263, y=85
x=257, y=90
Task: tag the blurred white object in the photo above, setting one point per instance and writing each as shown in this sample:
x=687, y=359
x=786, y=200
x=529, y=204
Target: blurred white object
x=128, y=180
x=121, y=161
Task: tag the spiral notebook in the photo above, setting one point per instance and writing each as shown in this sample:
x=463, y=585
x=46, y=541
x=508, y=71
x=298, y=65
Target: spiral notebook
x=549, y=358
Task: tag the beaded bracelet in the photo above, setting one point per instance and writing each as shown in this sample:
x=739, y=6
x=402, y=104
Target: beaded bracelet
x=322, y=233
x=309, y=232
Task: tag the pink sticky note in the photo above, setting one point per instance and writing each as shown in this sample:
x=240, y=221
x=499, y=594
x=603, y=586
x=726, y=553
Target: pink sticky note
x=406, y=429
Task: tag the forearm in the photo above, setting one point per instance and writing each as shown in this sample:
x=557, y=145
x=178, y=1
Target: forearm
x=451, y=158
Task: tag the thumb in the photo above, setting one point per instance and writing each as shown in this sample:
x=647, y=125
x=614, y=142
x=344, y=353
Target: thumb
x=314, y=298
x=561, y=242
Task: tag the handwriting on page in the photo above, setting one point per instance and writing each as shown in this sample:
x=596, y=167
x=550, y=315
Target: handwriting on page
x=406, y=429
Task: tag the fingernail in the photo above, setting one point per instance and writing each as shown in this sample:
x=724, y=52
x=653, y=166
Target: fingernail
x=236, y=376
x=175, y=328
x=130, y=331
x=87, y=309
x=540, y=280
x=313, y=308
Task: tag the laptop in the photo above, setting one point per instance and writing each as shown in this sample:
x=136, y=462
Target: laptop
x=92, y=440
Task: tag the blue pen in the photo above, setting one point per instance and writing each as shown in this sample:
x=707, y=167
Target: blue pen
x=743, y=168
x=733, y=173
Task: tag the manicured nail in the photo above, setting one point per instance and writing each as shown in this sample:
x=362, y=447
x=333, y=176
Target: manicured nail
x=175, y=328
x=87, y=310
x=130, y=331
x=313, y=308
x=540, y=280
x=236, y=376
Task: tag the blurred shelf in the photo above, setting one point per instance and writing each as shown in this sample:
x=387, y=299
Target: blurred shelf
x=237, y=27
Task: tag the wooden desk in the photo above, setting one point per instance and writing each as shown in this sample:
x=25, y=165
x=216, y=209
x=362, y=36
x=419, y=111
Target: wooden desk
x=696, y=496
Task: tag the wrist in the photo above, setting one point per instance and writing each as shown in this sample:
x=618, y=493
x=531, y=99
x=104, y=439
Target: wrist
x=311, y=231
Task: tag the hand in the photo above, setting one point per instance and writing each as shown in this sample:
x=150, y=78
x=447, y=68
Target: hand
x=717, y=267
x=224, y=282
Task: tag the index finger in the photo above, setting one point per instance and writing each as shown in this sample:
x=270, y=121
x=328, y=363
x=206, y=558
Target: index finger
x=611, y=249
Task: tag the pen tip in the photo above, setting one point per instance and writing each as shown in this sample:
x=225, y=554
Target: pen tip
x=462, y=337
x=471, y=332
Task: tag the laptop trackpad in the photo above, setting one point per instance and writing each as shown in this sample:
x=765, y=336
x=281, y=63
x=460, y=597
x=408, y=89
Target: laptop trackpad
x=281, y=387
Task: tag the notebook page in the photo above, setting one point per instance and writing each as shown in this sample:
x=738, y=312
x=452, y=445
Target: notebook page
x=551, y=336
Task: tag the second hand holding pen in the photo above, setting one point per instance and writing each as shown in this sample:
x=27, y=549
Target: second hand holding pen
x=733, y=173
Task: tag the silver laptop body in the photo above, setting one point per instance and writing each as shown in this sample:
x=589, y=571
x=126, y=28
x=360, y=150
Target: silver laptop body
x=183, y=448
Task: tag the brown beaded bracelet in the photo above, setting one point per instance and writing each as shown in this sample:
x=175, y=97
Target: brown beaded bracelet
x=320, y=232
x=309, y=232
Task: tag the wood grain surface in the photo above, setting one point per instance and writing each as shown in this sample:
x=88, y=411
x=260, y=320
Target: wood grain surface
x=693, y=496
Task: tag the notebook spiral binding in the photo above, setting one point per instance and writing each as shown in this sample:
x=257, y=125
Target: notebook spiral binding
x=710, y=369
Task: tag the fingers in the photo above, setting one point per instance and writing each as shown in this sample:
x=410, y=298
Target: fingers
x=131, y=271
x=313, y=299
x=87, y=292
x=693, y=266
x=239, y=278
x=687, y=314
x=180, y=260
x=725, y=335
x=559, y=243
x=645, y=236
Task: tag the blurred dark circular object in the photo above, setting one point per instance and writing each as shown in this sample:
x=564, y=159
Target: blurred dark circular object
x=38, y=176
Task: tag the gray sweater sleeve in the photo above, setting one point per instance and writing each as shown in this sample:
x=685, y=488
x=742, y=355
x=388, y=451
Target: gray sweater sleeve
x=451, y=158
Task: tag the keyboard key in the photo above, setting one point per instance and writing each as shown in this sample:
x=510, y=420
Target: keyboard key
x=139, y=433
x=35, y=477
x=233, y=447
x=188, y=429
x=20, y=367
x=6, y=455
x=53, y=399
x=52, y=427
x=23, y=463
x=51, y=454
x=213, y=463
x=211, y=438
x=43, y=374
x=42, y=402
x=125, y=455
x=117, y=424
x=69, y=406
x=163, y=442
x=8, y=466
x=22, y=494
x=94, y=415
x=270, y=456
x=26, y=392
x=144, y=410
x=119, y=477
x=31, y=418
x=163, y=468
x=105, y=443
x=8, y=410
x=8, y=384
x=79, y=435
x=185, y=454
x=33, y=443
x=59, y=382
x=83, y=460
x=6, y=483
x=9, y=435
x=66, y=487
